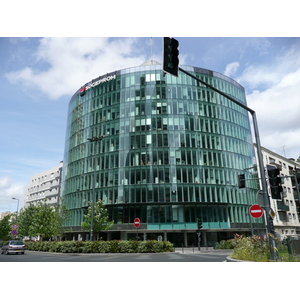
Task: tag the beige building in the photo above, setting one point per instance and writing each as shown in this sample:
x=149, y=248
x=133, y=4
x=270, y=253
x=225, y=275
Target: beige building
x=44, y=185
x=4, y=214
x=286, y=220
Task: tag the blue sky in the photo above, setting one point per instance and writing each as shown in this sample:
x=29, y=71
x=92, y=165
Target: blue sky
x=38, y=76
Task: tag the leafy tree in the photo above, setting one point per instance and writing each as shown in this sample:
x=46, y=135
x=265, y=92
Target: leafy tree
x=62, y=216
x=45, y=221
x=26, y=221
x=298, y=159
x=100, y=217
x=5, y=228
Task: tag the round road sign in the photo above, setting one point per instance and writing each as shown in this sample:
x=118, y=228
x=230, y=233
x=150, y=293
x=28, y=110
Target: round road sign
x=14, y=226
x=136, y=222
x=256, y=211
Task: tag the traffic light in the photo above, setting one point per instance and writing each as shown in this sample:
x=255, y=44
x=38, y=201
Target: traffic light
x=275, y=182
x=199, y=224
x=272, y=229
x=170, y=56
x=241, y=181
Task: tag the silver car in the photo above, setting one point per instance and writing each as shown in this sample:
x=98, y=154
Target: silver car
x=13, y=247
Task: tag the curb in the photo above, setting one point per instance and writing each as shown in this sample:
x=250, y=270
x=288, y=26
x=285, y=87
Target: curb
x=229, y=259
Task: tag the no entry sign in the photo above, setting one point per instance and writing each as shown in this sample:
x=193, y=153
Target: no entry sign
x=136, y=222
x=256, y=211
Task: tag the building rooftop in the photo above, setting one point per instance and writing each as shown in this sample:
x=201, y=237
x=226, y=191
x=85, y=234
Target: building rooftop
x=150, y=62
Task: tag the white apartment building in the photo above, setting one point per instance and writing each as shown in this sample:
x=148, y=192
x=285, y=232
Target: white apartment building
x=44, y=185
x=286, y=220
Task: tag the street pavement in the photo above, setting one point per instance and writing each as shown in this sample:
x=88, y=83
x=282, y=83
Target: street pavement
x=180, y=255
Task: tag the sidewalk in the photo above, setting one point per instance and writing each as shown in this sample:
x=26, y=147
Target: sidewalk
x=194, y=249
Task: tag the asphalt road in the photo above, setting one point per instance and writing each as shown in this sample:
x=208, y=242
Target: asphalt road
x=178, y=256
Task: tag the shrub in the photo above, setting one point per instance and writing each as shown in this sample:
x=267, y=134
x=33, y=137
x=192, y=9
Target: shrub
x=134, y=245
x=125, y=247
x=250, y=248
x=224, y=245
x=101, y=246
x=114, y=246
x=168, y=246
x=142, y=247
x=87, y=247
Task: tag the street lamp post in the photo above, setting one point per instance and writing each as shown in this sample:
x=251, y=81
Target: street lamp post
x=17, y=206
x=93, y=139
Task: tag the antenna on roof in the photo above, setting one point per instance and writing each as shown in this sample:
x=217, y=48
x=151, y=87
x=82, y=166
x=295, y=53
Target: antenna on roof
x=151, y=42
x=283, y=148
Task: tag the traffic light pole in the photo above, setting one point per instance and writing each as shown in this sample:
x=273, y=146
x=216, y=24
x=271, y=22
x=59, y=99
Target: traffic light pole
x=259, y=154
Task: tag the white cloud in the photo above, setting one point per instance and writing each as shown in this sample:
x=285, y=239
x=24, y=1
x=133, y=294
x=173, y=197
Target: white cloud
x=8, y=190
x=278, y=113
x=231, y=69
x=74, y=61
x=258, y=76
x=278, y=105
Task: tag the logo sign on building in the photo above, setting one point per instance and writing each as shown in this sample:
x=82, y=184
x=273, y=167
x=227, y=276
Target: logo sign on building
x=82, y=91
x=256, y=211
x=94, y=83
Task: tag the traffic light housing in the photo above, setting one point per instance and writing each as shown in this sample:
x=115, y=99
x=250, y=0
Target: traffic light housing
x=241, y=181
x=275, y=182
x=170, y=56
x=272, y=229
x=199, y=224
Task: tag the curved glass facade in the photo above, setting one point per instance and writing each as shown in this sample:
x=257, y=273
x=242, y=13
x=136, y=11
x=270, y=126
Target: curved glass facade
x=171, y=152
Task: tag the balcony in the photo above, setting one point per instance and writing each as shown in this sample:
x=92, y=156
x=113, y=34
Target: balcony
x=282, y=207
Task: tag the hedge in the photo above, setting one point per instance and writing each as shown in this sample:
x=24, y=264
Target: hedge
x=114, y=246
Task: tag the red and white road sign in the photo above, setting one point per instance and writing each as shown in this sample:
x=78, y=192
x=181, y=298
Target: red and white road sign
x=256, y=211
x=136, y=222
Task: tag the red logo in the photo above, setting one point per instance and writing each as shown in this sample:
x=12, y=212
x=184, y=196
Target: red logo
x=82, y=91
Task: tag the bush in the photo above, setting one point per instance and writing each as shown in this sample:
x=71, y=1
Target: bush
x=101, y=246
x=114, y=246
x=225, y=245
x=251, y=248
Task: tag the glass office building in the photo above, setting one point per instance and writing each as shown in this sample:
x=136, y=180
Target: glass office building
x=171, y=153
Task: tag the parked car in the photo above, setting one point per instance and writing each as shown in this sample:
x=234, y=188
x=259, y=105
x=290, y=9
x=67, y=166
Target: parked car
x=13, y=247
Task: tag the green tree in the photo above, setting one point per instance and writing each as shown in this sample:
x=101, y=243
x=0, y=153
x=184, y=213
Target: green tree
x=45, y=221
x=101, y=217
x=26, y=221
x=5, y=228
x=63, y=215
x=298, y=159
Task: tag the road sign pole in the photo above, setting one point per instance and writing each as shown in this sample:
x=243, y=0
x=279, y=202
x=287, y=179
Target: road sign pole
x=199, y=239
x=252, y=231
x=136, y=224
